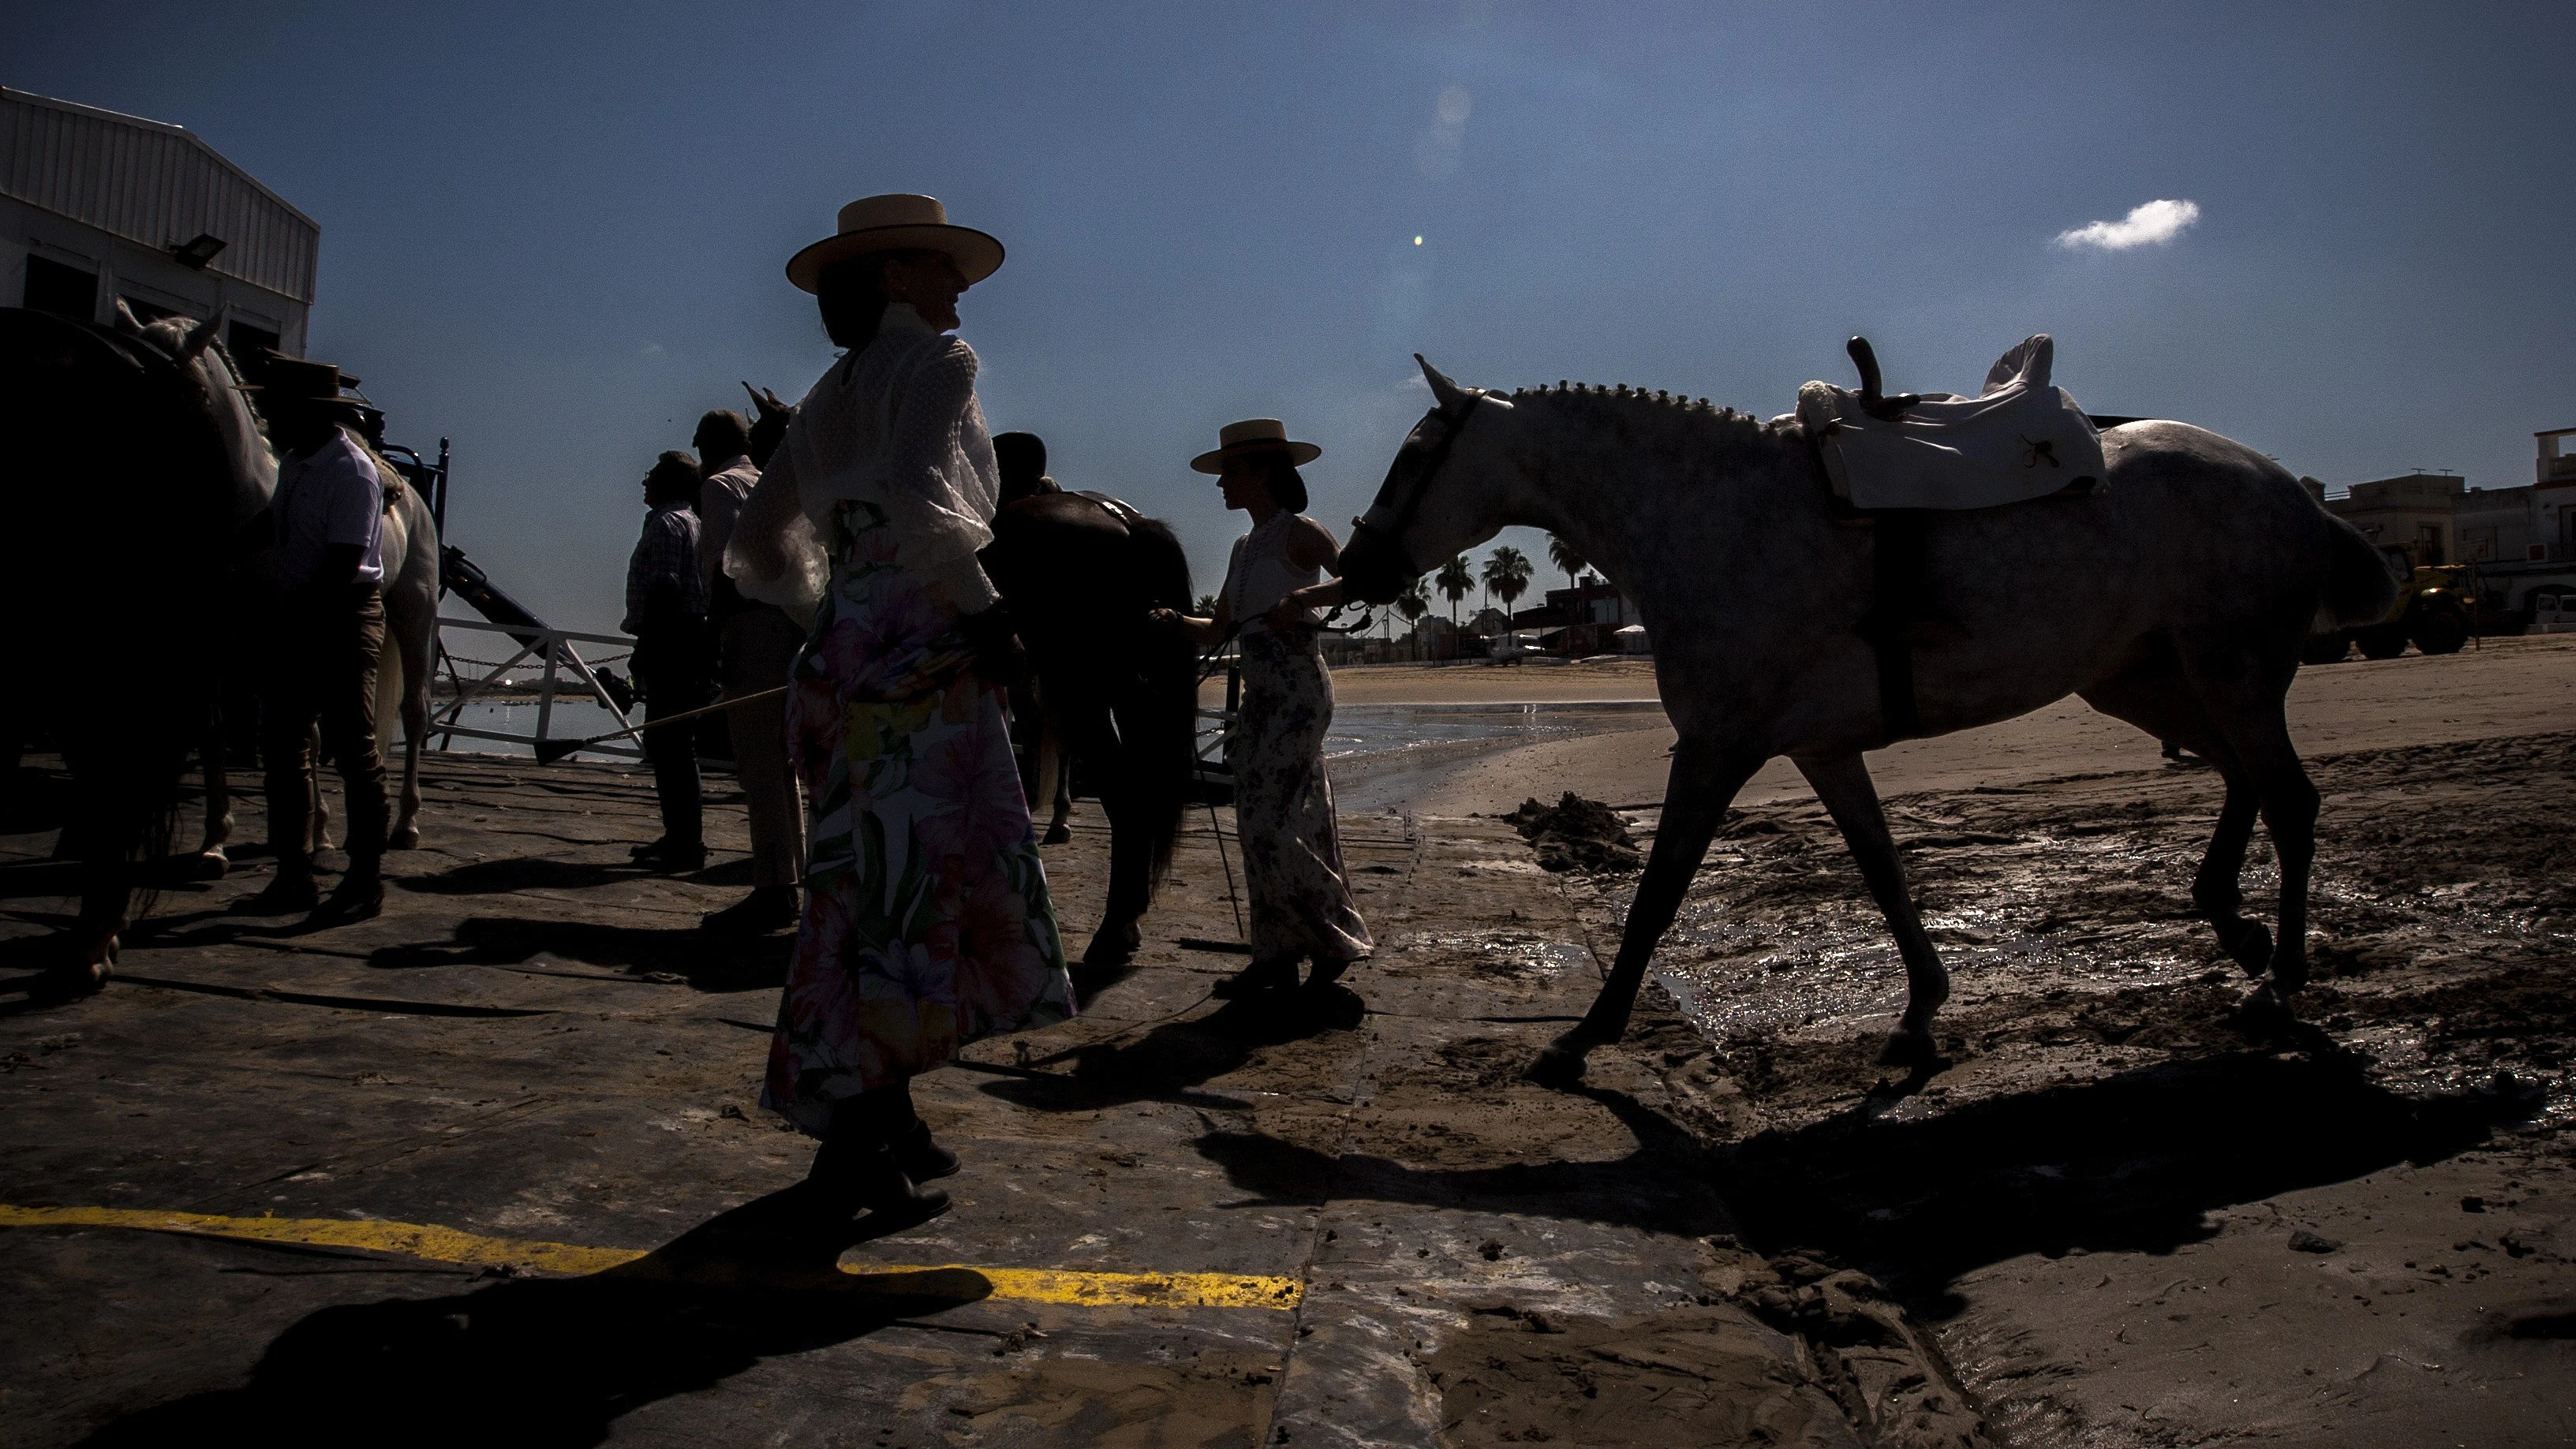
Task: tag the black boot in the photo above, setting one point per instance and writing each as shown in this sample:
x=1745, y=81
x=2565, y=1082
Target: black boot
x=922, y=1159
x=861, y=1164
x=766, y=909
x=360, y=896
x=1259, y=978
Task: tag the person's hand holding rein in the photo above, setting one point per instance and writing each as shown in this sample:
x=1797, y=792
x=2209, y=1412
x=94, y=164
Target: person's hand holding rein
x=1202, y=632
x=1290, y=616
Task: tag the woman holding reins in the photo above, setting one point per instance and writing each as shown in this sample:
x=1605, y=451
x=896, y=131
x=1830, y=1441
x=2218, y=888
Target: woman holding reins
x=1283, y=801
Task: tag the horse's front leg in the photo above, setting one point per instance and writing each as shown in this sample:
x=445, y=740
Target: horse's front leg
x=1704, y=779
x=211, y=861
x=1844, y=786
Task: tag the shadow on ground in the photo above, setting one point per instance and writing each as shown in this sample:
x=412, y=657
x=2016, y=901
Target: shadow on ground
x=2128, y=1163
x=1169, y=1063
x=709, y=963
x=2131, y=1163
x=552, y=1362
x=1654, y=1187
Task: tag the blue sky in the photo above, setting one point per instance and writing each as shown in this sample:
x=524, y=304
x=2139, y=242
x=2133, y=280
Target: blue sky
x=555, y=233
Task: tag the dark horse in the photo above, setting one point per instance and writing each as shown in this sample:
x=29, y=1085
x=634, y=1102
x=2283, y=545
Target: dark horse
x=1079, y=572
x=121, y=507
x=1079, y=575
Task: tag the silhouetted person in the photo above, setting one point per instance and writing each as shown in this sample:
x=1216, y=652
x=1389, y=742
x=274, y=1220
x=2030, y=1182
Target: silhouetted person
x=756, y=646
x=666, y=611
x=1022, y=460
x=329, y=632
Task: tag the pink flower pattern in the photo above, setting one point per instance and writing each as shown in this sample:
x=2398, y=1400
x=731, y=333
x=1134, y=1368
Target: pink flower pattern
x=927, y=920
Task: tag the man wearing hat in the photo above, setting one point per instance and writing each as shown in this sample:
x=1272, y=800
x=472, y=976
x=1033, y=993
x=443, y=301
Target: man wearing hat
x=329, y=632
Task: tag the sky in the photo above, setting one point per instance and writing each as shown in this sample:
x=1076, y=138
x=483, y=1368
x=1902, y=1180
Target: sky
x=555, y=234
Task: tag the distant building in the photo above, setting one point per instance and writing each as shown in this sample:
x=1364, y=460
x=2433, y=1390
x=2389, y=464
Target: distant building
x=1580, y=620
x=2521, y=539
x=95, y=206
x=2415, y=514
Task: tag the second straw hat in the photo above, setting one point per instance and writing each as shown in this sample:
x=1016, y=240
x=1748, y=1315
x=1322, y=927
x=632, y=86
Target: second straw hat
x=1254, y=435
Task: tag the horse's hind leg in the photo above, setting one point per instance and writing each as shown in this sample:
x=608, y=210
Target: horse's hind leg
x=1705, y=777
x=1843, y=784
x=2243, y=699
x=410, y=650
x=2155, y=695
x=2215, y=890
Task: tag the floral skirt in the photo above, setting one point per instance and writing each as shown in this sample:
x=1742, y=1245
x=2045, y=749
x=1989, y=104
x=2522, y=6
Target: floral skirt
x=1283, y=805
x=927, y=923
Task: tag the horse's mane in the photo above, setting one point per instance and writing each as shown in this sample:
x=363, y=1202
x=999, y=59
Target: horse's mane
x=169, y=335
x=1687, y=418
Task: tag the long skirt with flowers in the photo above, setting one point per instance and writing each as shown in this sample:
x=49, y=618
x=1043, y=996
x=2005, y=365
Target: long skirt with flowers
x=927, y=922
x=1283, y=805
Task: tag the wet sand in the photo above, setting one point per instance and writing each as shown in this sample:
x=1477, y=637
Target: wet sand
x=2509, y=687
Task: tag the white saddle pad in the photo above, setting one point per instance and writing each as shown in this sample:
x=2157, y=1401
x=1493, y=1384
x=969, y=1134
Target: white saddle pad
x=2019, y=439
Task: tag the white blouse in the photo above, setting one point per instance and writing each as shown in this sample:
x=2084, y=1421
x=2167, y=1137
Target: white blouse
x=1259, y=573
x=895, y=424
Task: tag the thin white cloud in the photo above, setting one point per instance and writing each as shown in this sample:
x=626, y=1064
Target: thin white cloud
x=2152, y=224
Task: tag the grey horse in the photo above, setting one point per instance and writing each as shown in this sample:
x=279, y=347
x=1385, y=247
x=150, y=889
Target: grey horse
x=2175, y=598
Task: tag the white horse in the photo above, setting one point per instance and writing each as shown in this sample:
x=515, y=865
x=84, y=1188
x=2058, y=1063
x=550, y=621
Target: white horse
x=2176, y=598
x=410, y=589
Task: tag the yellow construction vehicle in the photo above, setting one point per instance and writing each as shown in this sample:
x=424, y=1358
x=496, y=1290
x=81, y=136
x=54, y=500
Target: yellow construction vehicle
x=2436, y=611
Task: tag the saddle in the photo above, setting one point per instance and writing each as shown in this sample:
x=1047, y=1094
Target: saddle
x=1892, y=462
x=2019, y=439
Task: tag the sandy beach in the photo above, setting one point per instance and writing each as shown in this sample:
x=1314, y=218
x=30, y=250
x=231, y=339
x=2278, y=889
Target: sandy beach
x=2506, y=687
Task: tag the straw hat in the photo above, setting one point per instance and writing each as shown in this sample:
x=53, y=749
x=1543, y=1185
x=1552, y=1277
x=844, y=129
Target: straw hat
x=897, y=222
x=292, y=380
x=1254, y=435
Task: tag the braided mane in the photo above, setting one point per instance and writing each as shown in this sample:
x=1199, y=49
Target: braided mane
x=1695, y=416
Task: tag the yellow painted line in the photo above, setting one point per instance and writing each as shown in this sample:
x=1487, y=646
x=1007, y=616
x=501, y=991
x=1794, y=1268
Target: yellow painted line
x=961, y=1281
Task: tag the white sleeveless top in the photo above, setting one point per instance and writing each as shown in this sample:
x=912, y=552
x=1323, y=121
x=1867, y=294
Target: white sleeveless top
x=1259, y=573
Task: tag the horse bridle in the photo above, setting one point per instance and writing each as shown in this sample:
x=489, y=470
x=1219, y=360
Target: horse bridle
x=1410, y=503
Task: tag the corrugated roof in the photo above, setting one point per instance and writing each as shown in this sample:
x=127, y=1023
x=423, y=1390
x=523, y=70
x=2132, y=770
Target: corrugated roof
x=154, y=184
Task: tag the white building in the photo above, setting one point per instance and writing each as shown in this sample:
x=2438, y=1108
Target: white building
x=95, y=206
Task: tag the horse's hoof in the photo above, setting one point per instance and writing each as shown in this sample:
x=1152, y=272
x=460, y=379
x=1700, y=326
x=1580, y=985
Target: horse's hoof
x=1911, y=1048
x=406, y=838
x=207, y=864
x=1056, y=835
x=2250, y=944
x=2289, y=976
x=1557, y=1065
x=84, y=977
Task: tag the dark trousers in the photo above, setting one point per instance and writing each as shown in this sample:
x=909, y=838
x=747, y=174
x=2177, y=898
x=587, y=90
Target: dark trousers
x=675, y=665
x=324, y=672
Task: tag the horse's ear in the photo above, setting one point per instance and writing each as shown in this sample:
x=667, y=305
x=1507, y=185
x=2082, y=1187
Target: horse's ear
x=126, y=321
x=1453, y=399
x=200, y=336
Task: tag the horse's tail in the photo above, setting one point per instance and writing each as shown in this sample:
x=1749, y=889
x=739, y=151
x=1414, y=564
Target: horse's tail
x=1163, y=737
x=2359, y=588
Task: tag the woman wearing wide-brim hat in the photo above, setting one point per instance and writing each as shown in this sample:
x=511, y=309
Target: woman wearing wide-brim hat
x=927, y=922
x=1275, y=580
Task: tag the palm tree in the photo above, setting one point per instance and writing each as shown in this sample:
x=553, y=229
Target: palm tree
x=1456, y=581
x=1413, y=603
x=1507, y=576
x=1206, y=606
x=1562, y=554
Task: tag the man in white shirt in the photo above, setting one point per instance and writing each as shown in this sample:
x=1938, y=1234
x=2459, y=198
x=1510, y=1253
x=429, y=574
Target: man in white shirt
x=756, y=646
x=329, y=633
